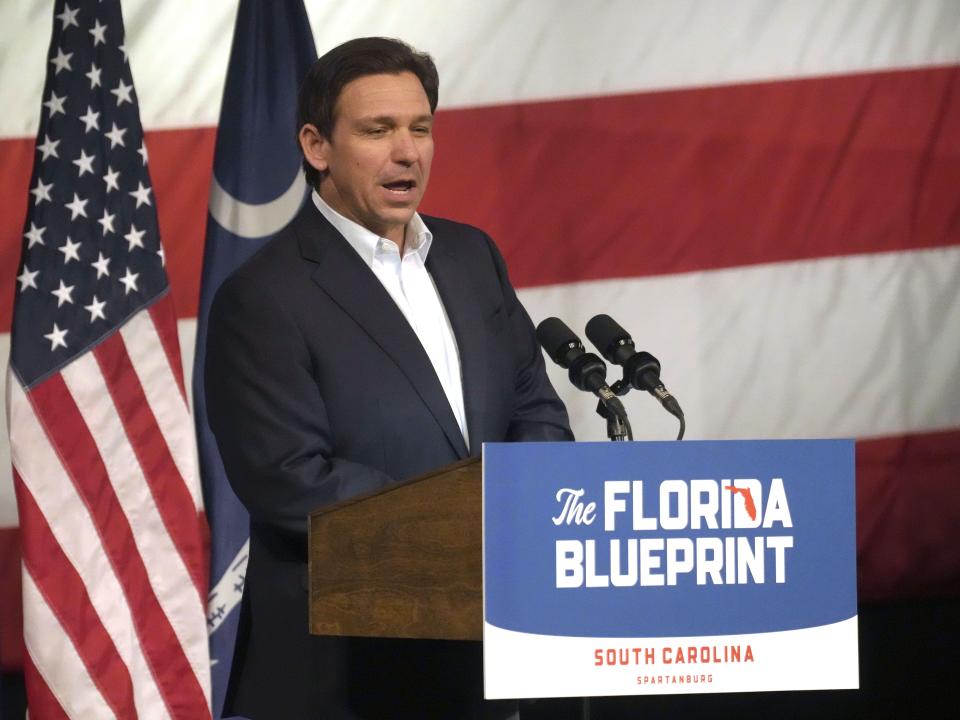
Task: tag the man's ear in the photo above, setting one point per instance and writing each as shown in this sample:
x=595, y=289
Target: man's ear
x=314, y=146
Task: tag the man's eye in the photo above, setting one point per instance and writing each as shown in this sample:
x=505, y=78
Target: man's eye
x=376, y=131
x=421, y=130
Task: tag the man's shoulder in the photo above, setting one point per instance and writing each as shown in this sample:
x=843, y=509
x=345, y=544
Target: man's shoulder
x=445, y=227
x=282, y=254
x=273, y=257
x=457, y=235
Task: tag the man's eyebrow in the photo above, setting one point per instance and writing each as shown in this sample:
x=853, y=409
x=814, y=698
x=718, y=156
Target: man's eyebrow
x=392, y=120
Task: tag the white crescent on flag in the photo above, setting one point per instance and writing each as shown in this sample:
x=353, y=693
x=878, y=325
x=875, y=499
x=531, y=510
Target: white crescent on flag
x=254, y=220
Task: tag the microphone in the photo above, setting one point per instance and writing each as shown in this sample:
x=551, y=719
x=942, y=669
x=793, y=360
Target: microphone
x=586, y=371
x=641, y=370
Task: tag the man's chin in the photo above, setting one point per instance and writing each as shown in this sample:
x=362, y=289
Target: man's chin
x=398, y=215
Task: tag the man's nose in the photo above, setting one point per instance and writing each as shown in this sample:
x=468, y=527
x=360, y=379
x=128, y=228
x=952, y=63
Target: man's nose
x=405, y=150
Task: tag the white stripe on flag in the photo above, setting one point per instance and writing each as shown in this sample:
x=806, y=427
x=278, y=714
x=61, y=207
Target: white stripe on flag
x=855, y=346
x=178, y=48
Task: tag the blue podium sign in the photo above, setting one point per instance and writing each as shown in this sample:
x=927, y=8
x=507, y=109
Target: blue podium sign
x=666, y=567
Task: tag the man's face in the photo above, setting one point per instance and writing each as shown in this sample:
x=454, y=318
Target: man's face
x=378, y=158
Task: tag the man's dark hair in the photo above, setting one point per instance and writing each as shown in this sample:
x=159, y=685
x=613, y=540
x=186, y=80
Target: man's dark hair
x=354, y=59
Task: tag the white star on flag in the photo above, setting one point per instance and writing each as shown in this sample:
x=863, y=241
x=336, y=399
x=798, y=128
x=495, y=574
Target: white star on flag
x=94, y=76
x=107, y=222
x=110, y=178
x=84, y=163
x=55, y=104
x=63, y=294
x=68, y=17
x=123, y=93
x=163, y=258
x=142, y=194
x=34, y=235
x=101, y=266
x=27, y=278
x=116, y=136
x=61, y=61
x=98, y=31
x=77, y=207
x=48, y=148
x=56, y=337
x=91, y=120
x=69, y=250
x=95, y=308
x=41, y=192
x=134, y=237
x=143, y=152
x=129, y=281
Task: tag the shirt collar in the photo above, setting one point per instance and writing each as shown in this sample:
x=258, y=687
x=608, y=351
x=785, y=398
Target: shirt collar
x=368, y=244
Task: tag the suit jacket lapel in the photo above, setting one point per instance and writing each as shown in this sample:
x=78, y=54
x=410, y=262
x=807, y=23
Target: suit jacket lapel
x=351, y=284
x=455, y=287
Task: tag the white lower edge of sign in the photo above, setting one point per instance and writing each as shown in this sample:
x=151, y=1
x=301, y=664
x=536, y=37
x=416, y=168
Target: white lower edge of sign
x=522, y=665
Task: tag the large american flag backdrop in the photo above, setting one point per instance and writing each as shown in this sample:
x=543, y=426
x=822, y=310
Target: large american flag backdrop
x=766, y=194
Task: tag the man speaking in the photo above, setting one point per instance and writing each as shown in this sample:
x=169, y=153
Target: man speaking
x=366, y=344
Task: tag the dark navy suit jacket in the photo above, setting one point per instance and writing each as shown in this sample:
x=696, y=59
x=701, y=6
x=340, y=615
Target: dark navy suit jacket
x=318, y=389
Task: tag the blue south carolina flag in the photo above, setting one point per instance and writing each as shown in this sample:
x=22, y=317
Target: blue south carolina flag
x=257, y=188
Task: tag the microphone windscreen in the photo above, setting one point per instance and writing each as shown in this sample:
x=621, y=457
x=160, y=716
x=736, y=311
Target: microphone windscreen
x=557, y=339
x=607, y=335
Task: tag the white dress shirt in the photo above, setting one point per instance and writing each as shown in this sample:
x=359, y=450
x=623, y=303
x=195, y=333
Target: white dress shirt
x=409, y=284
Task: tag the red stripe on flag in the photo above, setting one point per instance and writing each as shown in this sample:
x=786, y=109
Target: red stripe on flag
x=43, y=704
x=11, y=606
x=165, y=321
x=181, y=165
x=70, y=436
x=687, y=180
x=908, y=512
x=635, y=185
x=15, y=171
x=66, y=595
x=169, y=491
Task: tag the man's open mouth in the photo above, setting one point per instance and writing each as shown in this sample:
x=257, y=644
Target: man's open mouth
x=400, y=186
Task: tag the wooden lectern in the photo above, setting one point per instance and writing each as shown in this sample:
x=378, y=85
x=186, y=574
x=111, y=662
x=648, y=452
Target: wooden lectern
x=402, y=562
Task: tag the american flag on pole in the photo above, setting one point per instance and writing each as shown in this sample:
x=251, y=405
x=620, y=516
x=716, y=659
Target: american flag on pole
x=113, y=533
